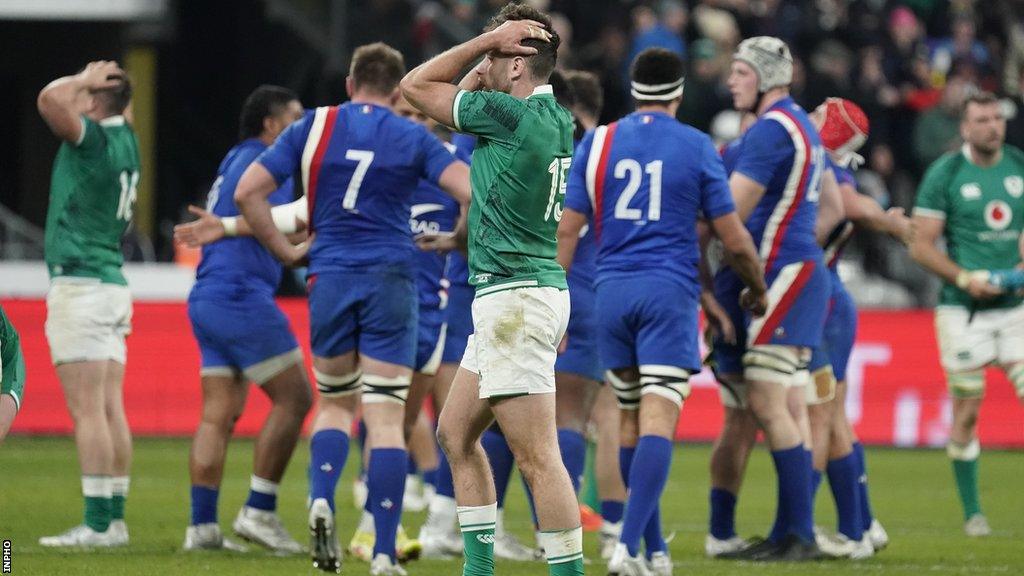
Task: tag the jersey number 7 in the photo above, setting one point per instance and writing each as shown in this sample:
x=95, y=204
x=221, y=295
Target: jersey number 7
x=363, y=160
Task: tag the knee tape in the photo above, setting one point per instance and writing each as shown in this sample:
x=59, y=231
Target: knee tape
x=669, y=382
x=626, y=392
x=377, y=389
x=965, y=453
x=771, y=363
x=337, y=386
x=822, y=386
x=969, y=384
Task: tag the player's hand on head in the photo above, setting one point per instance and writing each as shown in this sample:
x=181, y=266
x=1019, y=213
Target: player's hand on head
x=102, y=75
x=206, y=229
x=754, y=302
x=508, y=38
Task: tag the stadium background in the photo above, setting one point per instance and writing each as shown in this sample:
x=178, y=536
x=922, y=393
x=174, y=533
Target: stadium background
x=908, y=63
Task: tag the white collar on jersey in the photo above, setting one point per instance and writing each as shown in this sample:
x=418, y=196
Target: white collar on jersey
x=113, y=121
x=543, y=89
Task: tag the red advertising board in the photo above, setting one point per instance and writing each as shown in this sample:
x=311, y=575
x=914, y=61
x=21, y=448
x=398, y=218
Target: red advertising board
x=897, y=389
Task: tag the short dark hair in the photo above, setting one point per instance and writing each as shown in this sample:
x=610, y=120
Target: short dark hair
x=264, y=101
x=543, y=62
x=564, y=94
x=656, y=66
x=981, y=98
x=586, y=90
x=115, y=99
x=377, y=68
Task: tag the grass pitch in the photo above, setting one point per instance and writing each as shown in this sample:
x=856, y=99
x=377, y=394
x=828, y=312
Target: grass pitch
x=912, y=492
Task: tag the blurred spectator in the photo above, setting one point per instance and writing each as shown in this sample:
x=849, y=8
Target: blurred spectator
x=662, y=28
x=705, y=94
x=937, y=131
x=904, y=49
x=1015, y=114
x=829, y=74
x=962, y=46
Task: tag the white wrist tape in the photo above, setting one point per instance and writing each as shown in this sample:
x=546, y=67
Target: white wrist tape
x=230, y=224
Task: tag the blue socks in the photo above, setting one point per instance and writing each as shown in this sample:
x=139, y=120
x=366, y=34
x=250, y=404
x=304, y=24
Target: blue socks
x=262, y=494
x=866, y=516
x=723, y=514
x=611, y=511
x=328, y=450
x=430, y=477
x=793, y=467
x=648, y=473
x=844, y=480
x=653, y=540
x=574, y=455
x=815, y=483
x=204, y=504
x=445, y=485
x=500, y=456
x=386, y=473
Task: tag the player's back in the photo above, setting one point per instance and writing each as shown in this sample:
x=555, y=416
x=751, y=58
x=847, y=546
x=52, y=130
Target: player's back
x=238, y=263
x=360, y=164
x=783, y=153
x=649, y=177
x=92, y=196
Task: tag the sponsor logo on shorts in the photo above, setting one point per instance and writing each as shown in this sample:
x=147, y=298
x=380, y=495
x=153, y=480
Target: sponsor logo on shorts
x=1014, y=185
x=998, y=215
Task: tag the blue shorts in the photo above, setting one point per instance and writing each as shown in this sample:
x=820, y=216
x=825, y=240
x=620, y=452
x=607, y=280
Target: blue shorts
x=652, y=323
x=430, y=339
x=840, y=332
x=728, y=358
x=374, y=313
x=580, y=356
x=798, y=295
x=238, y=329
x=459, y=319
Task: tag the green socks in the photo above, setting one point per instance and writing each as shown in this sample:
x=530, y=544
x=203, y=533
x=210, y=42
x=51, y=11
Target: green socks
x=477, y=525
x=119, y=491
x=97, y=493
x=965, y=470
x=564, y=551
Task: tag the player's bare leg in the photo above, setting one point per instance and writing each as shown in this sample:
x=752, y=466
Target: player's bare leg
x=121, y=440
x=83, y=384
x=422, y=387
x=611, y=489
x=438, y=535
x=291, y=400
x=8, y=410
x=339, y=382
x=729, y=456
x=223, y=403
x=964, y=450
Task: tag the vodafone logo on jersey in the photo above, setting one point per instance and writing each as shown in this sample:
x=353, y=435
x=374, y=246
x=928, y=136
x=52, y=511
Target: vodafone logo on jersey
x=998, y=215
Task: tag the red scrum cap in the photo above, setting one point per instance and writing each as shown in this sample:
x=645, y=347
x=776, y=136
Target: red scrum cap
x=843, y=131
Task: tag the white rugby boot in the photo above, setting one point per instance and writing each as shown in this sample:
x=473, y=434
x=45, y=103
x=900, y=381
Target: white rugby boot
x=264, y=528
x=209, y=537
x=323, y=540
x=80, y=536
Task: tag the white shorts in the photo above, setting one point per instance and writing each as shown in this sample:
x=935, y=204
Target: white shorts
x=991, y=337
x=515, y=340
x=87, y=320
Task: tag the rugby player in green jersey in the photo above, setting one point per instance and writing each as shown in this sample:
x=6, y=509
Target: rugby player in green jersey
x=12, y=374
x=89, y=308
x=974, y=199
x=523, y=152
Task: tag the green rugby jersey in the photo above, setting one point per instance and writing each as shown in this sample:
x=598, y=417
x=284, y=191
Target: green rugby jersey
x=520, y=164
x=92, y=195
x=983, y=209
x=12, y=364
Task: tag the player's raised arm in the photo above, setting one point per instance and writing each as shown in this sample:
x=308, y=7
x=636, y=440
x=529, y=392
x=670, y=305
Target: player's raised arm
x=63, y=102
x=430, y=86
x=289, y=218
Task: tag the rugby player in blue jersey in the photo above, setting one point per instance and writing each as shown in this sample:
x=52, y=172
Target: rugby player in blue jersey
x=641, y=183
